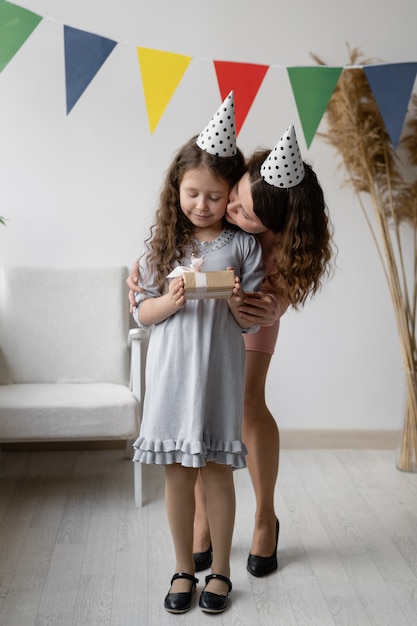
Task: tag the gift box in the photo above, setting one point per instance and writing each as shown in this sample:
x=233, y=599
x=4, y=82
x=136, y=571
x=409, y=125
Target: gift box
x=199, y=285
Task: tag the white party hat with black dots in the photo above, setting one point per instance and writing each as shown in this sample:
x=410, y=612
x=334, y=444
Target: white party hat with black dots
x=284, y=166
x=219, y=136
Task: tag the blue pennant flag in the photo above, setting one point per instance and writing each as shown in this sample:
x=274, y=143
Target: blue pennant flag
x=85, y=53
x=392, y=85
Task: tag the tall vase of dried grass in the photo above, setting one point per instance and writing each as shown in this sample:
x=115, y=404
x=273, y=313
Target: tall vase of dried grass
x=406, y=457
x=386, y=187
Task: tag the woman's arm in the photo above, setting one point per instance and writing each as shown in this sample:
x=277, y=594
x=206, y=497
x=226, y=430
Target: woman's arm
x=156, y=310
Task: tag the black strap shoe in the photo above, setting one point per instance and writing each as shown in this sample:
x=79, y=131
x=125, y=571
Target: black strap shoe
x=180, y=602
x=214, y=602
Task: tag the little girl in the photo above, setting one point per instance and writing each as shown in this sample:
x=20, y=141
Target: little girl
x=195, y=367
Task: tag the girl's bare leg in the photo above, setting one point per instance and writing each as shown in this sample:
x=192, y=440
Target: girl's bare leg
x=221, y=509
x=261, y=436
x=180, y=505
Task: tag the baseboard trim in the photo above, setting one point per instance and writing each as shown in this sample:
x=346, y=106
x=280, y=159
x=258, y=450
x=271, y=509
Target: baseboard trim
x=45, y=446
x=290, y=439
x=357, y=439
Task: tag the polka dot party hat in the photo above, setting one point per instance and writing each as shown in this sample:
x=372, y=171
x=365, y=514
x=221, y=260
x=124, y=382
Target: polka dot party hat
x=284, y=167
x=219, y=136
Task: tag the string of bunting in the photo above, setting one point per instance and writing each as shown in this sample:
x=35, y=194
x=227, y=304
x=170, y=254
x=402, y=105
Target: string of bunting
x=161, y=72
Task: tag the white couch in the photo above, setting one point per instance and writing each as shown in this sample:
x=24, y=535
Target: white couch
x=70, y=366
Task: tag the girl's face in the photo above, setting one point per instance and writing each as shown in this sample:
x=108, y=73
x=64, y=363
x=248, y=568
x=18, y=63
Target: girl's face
x=203, y=198
x=240, y=208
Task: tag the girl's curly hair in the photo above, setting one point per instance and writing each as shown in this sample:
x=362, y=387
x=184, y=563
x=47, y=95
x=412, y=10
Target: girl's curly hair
x=298, y=218
x=172, y=231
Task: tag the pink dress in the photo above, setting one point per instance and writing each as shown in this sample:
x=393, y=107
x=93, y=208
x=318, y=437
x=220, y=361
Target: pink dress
x=266, y=337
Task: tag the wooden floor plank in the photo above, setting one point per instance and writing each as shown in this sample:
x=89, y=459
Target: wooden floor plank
x=75, y=551
x=343, y=602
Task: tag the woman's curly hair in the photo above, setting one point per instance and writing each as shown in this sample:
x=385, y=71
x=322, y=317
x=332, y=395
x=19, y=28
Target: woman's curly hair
x=298, y=218
x=172, y=231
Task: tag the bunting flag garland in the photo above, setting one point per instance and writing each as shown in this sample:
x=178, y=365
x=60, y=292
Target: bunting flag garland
x=85, y=53
x=161, y=74
x=16, y=25
x=312, y=88
x=392, y=86
x=245, y=80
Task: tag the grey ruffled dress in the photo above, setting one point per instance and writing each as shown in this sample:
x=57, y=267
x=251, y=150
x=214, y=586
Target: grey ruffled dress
x=195, y=367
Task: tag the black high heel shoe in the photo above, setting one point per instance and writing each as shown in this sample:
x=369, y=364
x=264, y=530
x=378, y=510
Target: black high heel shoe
x=202, y=560
x=264, y=565
x=180, y=602
x=214, y=602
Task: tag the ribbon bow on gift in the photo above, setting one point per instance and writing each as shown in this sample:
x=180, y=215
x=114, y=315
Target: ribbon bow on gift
x=196, y=263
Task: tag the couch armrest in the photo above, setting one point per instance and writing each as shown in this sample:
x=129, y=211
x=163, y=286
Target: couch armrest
x=137, y=333
x=138, y=339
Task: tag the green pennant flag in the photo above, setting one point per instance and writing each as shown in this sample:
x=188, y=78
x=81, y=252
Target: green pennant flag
x=16, y=25
x=312, y=88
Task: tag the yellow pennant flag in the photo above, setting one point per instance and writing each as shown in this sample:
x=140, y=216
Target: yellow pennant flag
x=161, y=74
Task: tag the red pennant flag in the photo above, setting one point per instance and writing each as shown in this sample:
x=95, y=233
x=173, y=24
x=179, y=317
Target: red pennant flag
x=244, y=79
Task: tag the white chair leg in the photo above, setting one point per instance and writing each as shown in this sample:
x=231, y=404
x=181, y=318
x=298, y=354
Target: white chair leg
x=137, y=478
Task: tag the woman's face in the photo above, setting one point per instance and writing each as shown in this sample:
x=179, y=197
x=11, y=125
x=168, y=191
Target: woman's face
x=240, y=208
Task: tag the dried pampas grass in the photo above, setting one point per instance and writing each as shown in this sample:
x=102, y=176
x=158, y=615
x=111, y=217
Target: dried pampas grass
x=357, y=131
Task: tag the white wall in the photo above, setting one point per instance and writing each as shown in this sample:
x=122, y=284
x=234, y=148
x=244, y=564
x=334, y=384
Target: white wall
x=81, y=189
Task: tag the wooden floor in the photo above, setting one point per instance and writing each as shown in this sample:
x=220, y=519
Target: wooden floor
x=75, y=551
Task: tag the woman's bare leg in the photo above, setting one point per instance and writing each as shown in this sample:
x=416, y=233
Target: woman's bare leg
x=261, y=436
x=201, y=524
x=180, y=506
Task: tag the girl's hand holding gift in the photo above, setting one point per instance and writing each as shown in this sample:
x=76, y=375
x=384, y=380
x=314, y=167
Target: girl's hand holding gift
x=235, y=303
x=176, y=292
x=238, y=294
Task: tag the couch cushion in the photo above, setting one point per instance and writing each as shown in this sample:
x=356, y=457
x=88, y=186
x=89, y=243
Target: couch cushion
x=64, y=325
x=39, y=412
